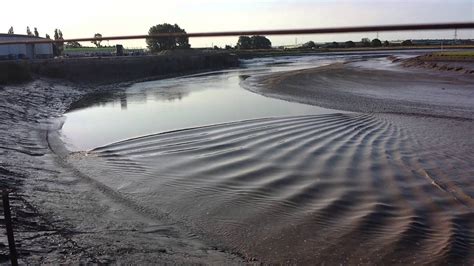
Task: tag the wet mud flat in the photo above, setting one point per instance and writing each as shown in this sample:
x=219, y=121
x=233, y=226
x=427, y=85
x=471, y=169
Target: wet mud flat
x=420, y=164
x=455, y=64
x=390, y=182
x=61, y=217
x=23, y=142
x=352, y=188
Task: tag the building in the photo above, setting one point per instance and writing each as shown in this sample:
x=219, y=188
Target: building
x=24, y=51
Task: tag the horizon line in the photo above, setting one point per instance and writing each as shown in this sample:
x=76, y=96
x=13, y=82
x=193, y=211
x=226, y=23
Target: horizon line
x=385, y=28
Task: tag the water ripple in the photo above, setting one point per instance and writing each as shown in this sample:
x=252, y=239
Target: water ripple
x=331, y=188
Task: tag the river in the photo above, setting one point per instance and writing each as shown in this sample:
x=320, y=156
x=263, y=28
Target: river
x=275, y=180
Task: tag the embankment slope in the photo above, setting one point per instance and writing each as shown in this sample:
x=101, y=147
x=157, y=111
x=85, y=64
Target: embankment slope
x=116, y=69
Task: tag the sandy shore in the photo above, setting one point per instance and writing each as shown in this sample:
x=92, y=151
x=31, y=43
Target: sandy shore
x=436, y=107
x=436, y=62
x=358, y=89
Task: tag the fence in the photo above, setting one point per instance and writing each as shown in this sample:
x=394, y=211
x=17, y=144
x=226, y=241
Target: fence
x=406, y=27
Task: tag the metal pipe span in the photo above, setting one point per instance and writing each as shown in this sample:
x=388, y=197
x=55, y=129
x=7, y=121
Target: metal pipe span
x=406, y=27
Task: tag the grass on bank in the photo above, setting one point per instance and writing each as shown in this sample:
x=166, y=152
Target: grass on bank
x=298, y=51
x=456, y=54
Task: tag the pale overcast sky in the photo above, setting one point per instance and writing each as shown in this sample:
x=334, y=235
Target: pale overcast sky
x=120, y=17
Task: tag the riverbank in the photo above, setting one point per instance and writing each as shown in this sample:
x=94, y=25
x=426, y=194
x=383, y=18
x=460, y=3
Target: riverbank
x=248, y=54
x=435, y=106
x=278, y=189
x=381, y=187
x=358, y=89
x=40, y=180
x=28, y=167
x=433, y=115
x=103, y=70
x=455, y=62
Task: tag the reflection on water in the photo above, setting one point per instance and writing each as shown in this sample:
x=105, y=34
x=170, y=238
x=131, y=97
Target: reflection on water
x=159, y=106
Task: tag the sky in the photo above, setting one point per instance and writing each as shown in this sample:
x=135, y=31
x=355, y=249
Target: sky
x=124, y=17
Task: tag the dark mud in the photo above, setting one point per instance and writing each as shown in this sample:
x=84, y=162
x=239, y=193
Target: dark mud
x=418, y=158
x=362, y=89
x=438, y=63
x=41, y=182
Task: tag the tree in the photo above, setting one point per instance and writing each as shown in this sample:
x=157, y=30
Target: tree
x=73, y=44
x=407, y=43
x=97, y=42
x=386, y=43
x=309, y=45
x=376, y=43
x=349, y=44
x=244, y=42
x=36, y=32
x=260, y=42
x=333, y=45
x=365, y=42
x=58, y=35
x=28, y=31
x=58, y=48
x=10, y=31
x=228, y=47
x=156, y=44
x=48, y=37
x=254, y=42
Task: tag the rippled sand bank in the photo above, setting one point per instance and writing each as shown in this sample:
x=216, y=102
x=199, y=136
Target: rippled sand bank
x=425, y=167
x=352, y=188
x=352, y=87
x=389, y=183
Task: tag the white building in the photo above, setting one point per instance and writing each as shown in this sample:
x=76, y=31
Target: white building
x=27, y=51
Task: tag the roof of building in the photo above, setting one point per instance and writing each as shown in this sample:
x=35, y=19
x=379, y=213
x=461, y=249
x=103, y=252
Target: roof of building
x=19, y=36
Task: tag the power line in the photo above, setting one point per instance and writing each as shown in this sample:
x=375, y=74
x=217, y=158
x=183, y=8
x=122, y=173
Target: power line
x=406, y=27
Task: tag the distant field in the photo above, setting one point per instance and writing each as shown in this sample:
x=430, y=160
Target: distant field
x=467, y=55
x=456, y=54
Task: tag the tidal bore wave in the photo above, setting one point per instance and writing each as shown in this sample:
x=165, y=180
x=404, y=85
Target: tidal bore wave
x=345, y=188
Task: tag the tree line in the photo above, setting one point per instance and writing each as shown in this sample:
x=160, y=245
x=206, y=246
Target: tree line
x=181, y=41
x=365, y=42
x=156, y=43
x=28, y=31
